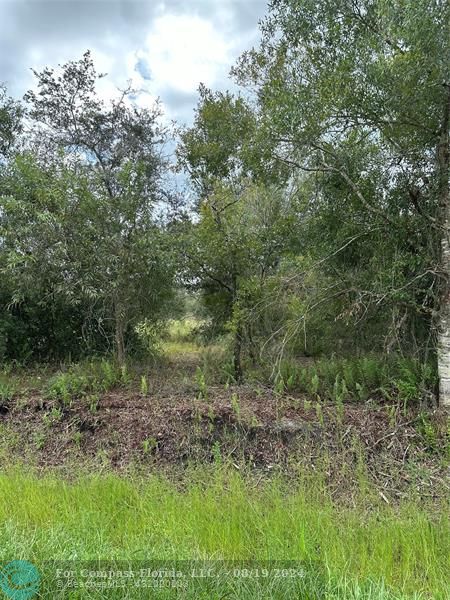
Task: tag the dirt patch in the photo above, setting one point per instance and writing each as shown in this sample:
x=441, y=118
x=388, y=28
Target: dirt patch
x=240, y=424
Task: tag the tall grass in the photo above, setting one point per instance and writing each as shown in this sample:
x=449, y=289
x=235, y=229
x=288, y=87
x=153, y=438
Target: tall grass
x=369, y=551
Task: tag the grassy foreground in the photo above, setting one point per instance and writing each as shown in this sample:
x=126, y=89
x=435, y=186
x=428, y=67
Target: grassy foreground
x=367, y=551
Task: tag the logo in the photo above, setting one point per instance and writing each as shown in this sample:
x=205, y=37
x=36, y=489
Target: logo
x=19, y=580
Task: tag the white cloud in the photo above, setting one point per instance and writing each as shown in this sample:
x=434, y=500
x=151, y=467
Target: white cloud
x=177, y=43
x=184, y=50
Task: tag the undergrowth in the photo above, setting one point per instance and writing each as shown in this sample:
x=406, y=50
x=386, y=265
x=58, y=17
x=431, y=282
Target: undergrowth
x=359, y=379
x=86, y=378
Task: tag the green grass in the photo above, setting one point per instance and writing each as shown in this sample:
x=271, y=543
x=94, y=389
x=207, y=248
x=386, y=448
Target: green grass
x=369, y=551
x=182, y=329
x=180, y=338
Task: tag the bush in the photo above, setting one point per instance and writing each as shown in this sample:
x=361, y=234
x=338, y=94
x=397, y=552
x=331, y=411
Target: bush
x=65, y=387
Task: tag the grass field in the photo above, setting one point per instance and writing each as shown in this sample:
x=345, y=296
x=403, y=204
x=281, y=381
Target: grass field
x=368, y=551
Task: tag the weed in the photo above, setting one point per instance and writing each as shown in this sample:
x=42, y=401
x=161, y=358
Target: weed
x=319, y=413
x=83, y=379
x=228, y=372
x=107, y=376
x=340, y=394
x=434, y=434
x=149, y=445
x=7, y=392
x=358, y=379
x=56, y=413
x=39, y=439
x=314, y=384
x=54, y=416
x=280, y=385
x=77, y=436
x=254, y=423
x=236, y=405
x=63, y=387
x=217, y=453
x=361, y=392
x=144, y=385
x=201, y=384
x=9, y=439
x=125, y=377
x=93, y=401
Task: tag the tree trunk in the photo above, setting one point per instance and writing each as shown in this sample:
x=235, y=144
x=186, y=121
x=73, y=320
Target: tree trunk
x=237, y=350
x=443, y=156
x=237, y=364
x=120, y=334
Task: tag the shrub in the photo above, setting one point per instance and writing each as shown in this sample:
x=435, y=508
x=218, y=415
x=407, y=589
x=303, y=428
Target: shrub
x=201, y=384
x=65, y=387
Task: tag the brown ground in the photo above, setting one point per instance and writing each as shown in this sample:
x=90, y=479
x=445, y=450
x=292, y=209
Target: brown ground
x=246, y=425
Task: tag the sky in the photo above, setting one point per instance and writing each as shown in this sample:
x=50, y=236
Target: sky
x=166, y=48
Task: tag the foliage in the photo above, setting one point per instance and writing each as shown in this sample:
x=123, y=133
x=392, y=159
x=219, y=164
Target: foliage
x=213, y=149
x=85, y=380
x=360, y=379
x=352, y=97
x=201, y=384
x=11, y=114
x=7, y=391
x=78, y=215
x=235, y=245
x=435, y=434
x=144, y=385
x=320, y=189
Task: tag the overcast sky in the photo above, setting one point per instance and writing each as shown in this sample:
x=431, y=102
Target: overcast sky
x=165, y=47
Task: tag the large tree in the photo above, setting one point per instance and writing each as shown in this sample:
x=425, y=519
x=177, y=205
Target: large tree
x=226, y=143
x=243, y=221
x=356, y=95
x=93, y=228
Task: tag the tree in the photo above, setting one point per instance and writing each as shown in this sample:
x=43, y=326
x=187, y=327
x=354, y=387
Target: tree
x=97, y=231
x=232, y=250
x=11, y=113
x=241, y=226
x=44, y=317
x=355, y=95
x=224, y=144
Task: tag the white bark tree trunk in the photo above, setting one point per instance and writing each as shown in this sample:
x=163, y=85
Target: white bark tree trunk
x=444, y=335
x=443, y=156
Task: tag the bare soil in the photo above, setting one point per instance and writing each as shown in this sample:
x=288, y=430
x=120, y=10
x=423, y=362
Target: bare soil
x=248, y=426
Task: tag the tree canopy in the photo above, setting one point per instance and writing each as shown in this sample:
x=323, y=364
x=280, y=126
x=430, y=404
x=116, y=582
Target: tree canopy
x=322, y=207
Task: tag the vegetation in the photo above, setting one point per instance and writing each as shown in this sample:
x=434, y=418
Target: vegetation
x=370, y=552
x=283, y=319
x=319, y=202
x=80, y=380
